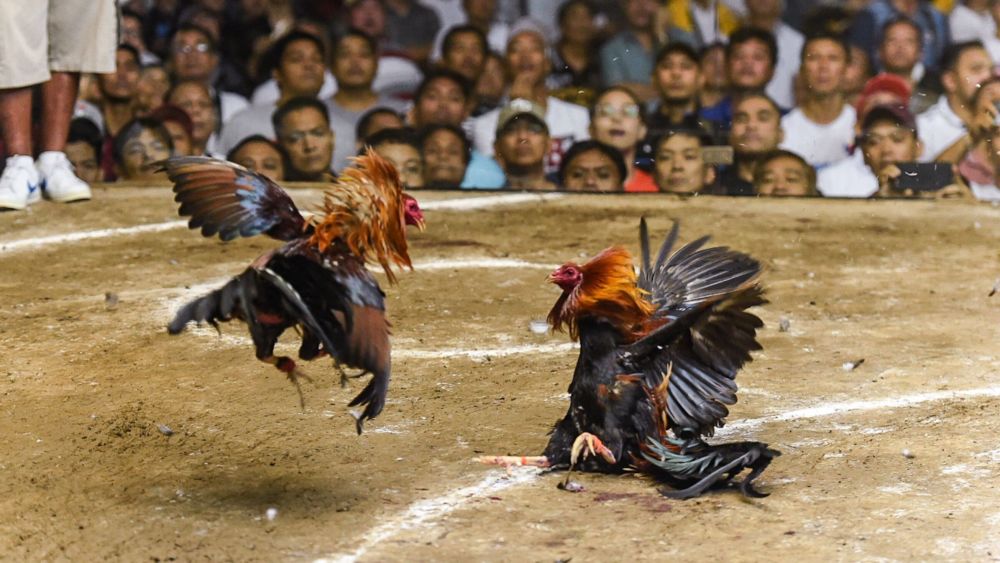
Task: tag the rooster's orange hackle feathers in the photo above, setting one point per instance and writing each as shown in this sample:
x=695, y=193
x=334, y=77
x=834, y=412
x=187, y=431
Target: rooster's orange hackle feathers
x=364, y=209
x=608, y=289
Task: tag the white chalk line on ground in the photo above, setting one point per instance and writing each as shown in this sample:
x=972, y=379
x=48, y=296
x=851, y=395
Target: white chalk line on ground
x=425, y=513
x=460, y=204
x=421, y=512
x=858, y=406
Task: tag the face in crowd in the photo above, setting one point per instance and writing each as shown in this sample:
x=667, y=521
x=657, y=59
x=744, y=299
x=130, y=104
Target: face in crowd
x=306, y=136
x=756, y=126
x=592, y=171
x=300, y=70
x=617, y=121
x=193, y=97
x=261, y=157
x=680, y=166
x=445, y=159
x=784, y=176
x=522, y=144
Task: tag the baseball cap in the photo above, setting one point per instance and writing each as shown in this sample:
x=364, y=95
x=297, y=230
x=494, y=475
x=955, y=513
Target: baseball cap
x=520, y=107
x=883, y=83
x=895, y=113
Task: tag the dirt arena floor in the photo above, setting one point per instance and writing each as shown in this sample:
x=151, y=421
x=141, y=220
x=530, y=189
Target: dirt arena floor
x=897, y=459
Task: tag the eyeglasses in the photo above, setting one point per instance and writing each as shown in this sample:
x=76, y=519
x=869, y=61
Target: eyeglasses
x=608, y=110
x=196, y=48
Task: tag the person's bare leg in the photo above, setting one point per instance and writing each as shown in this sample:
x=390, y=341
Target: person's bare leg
x=58, y=97
x=15, y=120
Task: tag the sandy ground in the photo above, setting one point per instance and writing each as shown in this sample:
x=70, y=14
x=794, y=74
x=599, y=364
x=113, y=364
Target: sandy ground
x=87, y=474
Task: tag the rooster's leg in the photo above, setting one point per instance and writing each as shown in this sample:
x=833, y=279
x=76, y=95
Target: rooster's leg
x=288, y=367
x=508, y=461
x=585, y=445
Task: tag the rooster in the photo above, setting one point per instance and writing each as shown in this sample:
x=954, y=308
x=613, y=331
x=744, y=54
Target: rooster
x=658, y=356
x=318, y=281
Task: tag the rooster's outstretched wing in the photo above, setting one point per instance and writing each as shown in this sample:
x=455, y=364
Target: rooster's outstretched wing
x=703, y=295
x=227, y=199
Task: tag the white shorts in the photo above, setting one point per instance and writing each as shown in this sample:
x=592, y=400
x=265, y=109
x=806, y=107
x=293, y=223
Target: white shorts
x=39, y=36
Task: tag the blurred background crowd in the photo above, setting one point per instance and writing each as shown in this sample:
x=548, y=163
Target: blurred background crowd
x=726, y=97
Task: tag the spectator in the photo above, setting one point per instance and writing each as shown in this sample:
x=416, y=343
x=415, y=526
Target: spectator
x=355, y=61
x=934, y=28
x=899, y=53
x=151, y=91
x=528, y=65
x=303, y=129
x=194, y=98
x=766, y=14
x=194, y=57
x=396, y=73
x=140, y=145
x=756, y=132
x=489, y=89
x=616, y=119
x=821, y=129
x=298, y=73
x=402, y=149
x=411, y=28
x=750, y=58
x=971, y=150
x=443, y=98
x=261, y=155
x=592, y=166
x=971, y=20
x=677, y=77
x=784, y=173
x=464, y=51
x=118, y=93
x=373, y=121
x=712, y=64
x=965, y=66
x=992, y=42
x=576, y=72
x=228, y=74
x=130, y=27
x=703, y=21
x=178, y=124
x=986, y=189
x=83, y=149
x=446, y=152
x=888, y=136
x=859, y=70
x=522, y=144
x=81, y=40
x=479, y=15
x=627, y=58
x=680, y=164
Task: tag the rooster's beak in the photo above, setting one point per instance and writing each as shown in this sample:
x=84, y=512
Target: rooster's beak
x=551, y=278
x=420, y=224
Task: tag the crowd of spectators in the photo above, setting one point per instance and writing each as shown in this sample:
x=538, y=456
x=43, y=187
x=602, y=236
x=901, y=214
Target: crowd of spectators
x=724, y=97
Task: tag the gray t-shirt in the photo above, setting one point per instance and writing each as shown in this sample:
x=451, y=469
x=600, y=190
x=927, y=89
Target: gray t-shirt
x=254, y=120
x=344, y=122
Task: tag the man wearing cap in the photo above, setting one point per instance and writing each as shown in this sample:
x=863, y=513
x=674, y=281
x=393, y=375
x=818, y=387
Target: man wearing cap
x=522, y=143
x=888, y=136
x=527, y=63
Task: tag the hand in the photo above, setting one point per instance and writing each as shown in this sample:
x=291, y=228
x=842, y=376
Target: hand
x=886, y=178
x=983, y=123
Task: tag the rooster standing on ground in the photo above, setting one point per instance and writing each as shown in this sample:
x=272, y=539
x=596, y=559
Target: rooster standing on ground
x=658, y=358
x=317, y=281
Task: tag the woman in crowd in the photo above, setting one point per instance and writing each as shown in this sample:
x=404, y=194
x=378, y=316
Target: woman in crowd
x=617, y=119
x=261, y=155
x=592, y=166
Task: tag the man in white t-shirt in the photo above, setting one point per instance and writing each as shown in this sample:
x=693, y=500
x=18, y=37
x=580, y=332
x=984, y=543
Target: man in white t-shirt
x=527, y=61
x=766, y=14
x=965, y=66
x=821, y=130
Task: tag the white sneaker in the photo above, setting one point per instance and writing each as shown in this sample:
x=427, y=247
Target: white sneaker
x=19, y=185
x=59, y=181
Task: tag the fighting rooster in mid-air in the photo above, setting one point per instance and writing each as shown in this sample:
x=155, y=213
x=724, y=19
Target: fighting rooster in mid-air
x=658, y=357
x=317, y=282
